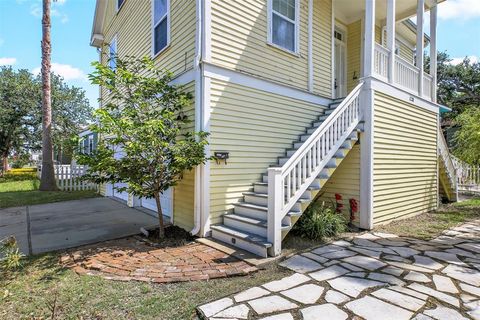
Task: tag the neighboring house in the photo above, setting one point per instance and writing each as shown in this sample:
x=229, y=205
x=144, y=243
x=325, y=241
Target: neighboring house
x=306, y=98
x=88, y=141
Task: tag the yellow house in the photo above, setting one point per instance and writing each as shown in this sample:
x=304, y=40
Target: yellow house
x=304, y=99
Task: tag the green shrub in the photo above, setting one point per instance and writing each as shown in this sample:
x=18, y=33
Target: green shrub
x=320, y=221
x=18, y=175
x=10, y=255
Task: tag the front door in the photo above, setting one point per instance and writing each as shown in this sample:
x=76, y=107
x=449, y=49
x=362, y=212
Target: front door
x=340, y=63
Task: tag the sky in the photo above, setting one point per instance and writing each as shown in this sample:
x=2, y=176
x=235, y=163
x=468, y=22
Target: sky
x=20, y=34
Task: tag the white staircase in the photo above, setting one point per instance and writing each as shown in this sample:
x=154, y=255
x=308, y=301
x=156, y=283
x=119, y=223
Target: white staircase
x=447, y=171
x=262, y=220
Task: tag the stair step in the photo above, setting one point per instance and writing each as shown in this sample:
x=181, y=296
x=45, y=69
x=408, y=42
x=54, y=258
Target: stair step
x=251, y=210
x=249, y=225
x=241, y=239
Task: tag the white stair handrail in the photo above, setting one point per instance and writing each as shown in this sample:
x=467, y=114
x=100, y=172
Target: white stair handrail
x=447, y=160
x=288, y=183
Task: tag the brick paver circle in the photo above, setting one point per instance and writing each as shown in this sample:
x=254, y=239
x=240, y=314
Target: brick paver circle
x=132, y=259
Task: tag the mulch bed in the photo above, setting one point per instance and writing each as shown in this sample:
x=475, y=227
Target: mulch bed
x=177, y=258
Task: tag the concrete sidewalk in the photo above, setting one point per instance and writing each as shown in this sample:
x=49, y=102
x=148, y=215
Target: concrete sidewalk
x=61, y=225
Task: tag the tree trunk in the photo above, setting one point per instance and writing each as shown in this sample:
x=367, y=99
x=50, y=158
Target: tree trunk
x=4, y=164
x=161, y=231
x=47, y=181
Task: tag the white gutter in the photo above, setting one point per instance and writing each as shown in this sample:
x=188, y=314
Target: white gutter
x=197, y=212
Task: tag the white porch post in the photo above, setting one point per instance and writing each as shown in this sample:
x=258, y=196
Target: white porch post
x=274, y=220
x=391, y=39
x=367, y=105
x=419, y=51
x=433, y=49
x=368, y=48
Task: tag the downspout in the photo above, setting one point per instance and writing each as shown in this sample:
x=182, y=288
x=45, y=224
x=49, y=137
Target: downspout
x=197, y=212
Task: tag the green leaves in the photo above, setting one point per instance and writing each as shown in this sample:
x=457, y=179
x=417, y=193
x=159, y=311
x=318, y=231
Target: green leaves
x=467, y=138
x=145, y=141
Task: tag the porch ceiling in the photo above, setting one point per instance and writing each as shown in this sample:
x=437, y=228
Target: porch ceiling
x=349, y=11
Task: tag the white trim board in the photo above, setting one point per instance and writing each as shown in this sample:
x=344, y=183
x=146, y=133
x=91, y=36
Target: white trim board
x=401, y=94
x=220, y=73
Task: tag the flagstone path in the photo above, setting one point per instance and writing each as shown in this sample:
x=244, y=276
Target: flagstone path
x=372, y=276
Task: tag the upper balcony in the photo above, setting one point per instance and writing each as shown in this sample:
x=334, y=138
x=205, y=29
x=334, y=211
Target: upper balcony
x=385, y=24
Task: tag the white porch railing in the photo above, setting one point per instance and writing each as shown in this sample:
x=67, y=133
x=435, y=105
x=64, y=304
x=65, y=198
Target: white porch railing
x=406, y=74
x=68, y=177
x=468, y=176
x=447, y=160
x=381, y=61
x=287, y=184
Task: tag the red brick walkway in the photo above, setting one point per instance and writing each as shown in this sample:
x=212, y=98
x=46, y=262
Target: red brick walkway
x=131, y=259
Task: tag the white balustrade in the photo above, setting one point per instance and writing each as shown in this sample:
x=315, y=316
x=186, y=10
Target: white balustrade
x=447, y=160
x=406, y=74
x=287, y=184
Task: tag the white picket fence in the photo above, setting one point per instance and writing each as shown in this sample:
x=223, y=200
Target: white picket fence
x=468, y=176
x=68, y=177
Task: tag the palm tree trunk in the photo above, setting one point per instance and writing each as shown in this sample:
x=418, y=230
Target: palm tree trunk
x=47, y=181
x=161, y=231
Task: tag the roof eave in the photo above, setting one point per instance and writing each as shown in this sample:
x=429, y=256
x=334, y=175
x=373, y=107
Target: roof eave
x=96, y=39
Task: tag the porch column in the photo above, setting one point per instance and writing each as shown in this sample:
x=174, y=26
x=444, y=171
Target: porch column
x=419, y=50
x=433, y=49
x=391, y=39
x=368, y=48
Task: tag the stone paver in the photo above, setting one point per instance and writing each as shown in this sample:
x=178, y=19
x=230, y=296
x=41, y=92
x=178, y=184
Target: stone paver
x=271, y=304
x=417, y=277
x=444, y=284
x=443, y=313
x=372, y=276
x=373, y=309
x=329, y=273
x=301, y=264
x=399, y=299
x=353, y=286
x=312, y=313
x=251, y=294
x=282, y=316
x=306, y=294
x=286, y=283
x=336, y=297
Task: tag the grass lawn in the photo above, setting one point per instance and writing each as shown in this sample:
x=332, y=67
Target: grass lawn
x=20, y=191
x=42, y=283
x=430, y=225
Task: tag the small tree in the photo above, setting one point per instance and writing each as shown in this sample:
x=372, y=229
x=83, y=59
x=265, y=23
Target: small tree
x=144, y=142
x=467, y=138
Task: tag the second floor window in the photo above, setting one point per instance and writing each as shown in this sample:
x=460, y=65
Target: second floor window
x=119, y=4
x=161, y=25
x=112, y=61
x=283, y=28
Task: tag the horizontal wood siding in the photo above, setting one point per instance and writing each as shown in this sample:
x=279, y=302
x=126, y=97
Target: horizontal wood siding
x=354, y=47
x=239, y=42
x=405, y=159
x=346, y=182
x=322, y=47
x=255, y=127
x=183, y=192
x=132, y=25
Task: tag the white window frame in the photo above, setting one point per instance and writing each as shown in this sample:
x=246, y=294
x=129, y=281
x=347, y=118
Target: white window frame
x=153, y=25
x=296, y=25
x=90, y=144
x=113, y=43
x=116, y=5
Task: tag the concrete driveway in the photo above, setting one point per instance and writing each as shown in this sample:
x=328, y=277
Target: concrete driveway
x=61, y=225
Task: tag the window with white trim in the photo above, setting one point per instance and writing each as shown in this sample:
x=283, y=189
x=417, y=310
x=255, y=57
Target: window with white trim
x=112, y=61
x=119, y=4
x=283, y=24
x=161, y=25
